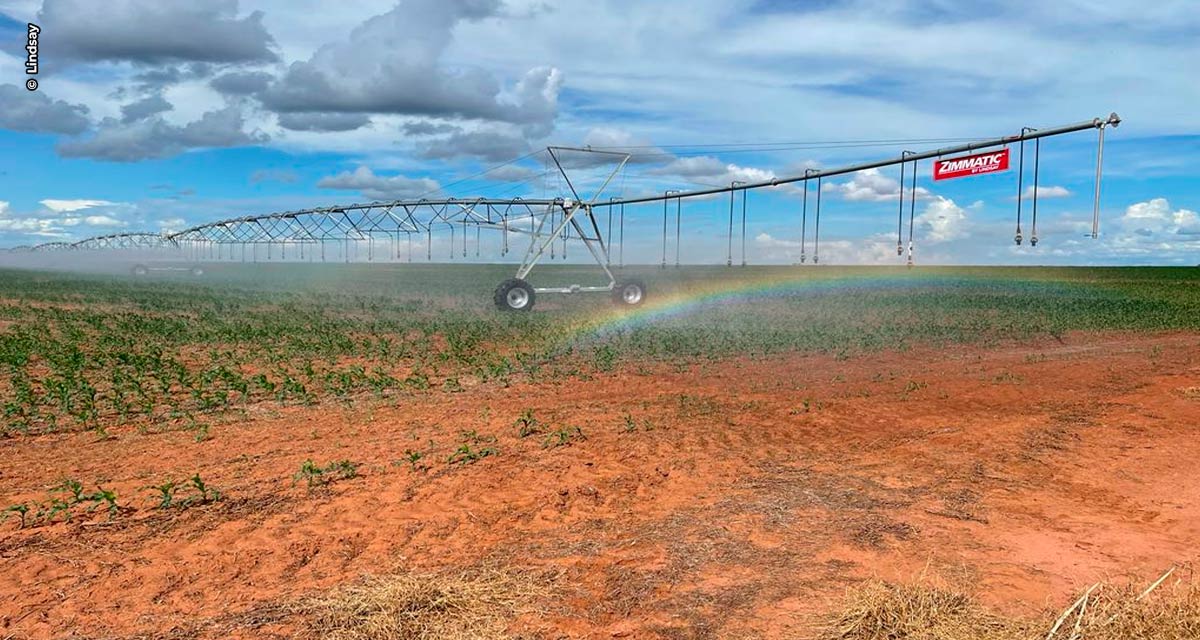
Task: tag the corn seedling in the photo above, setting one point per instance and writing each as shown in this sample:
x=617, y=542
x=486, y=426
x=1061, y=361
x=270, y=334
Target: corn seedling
x=527, y=425
x=20, y=509
x=414, y=460
x=164, y=493
x=465, y=454
x=629, y=425
x=114, y=355
x=106, y=498
x=315, y=475
x=199, y=492
x=562, y=437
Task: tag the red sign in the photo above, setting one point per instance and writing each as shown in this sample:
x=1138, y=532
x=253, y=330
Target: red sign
x=980, y=163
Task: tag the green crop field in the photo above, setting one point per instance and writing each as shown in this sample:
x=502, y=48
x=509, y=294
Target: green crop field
x=90, y=351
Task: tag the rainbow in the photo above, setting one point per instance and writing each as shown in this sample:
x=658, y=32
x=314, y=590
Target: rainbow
x=694, y=297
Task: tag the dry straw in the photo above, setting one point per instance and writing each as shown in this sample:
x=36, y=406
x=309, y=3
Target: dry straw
x=473, y=606
x=1166, y=610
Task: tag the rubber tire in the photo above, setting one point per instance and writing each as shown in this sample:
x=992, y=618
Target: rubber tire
x=502, y=291
x=618, y=293
x=139, y=270
x=196, y=271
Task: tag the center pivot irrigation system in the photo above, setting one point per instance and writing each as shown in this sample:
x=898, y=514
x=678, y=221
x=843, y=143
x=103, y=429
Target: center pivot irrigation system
x=341, y=229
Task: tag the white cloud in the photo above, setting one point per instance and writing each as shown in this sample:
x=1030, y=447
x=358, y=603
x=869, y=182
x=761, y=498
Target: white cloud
x=379, y=187
x=171, y=225
x=91, y=221
x=148, y=31
x=392, y=63
x=67, y=206
x=32, y=226
x=512, y=173
x=154, y=137
x=1044, y=192
x=103, y=221
x=876, y=249
x=942, y=220
x=709, y=171
x=21, y=110
x=870, y=185
x=1156, y=218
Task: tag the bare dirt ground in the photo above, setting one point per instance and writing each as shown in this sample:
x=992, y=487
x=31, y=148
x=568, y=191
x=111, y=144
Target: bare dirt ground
x=741, y=501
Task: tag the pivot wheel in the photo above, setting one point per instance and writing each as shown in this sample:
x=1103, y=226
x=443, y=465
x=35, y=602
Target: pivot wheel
x=139, y=270
x=514, y=295
x=630, y=293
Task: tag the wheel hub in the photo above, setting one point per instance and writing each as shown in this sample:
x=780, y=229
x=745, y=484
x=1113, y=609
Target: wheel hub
x=632, y=294
x=517, y=298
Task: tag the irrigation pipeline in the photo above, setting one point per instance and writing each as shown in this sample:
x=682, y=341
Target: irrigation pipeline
x=364, y=222
x=1026, y=134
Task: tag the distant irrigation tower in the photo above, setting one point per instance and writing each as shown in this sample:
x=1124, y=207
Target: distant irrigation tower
x=344, y=232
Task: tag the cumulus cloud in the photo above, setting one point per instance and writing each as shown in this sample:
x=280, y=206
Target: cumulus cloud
x=1147, y=232
x=317, y=121
x=871, y=250
x=392, y=64
x=172, y=225
x=378, y=187
x=155, y=78
x=241, y=83
x=32, y=111
x=68, y=206
x=152, y=31
x=1044, y=191
x=428, y=128
x=1155, y=218
x=95, y=221
x=512, y=173
x=870, y=185
x=51, y=222
x=155, y=138
x=488, y=144
x=44, y=227
x=615, y=140
x=942, y=220
x=710, y=171
x=144, y=108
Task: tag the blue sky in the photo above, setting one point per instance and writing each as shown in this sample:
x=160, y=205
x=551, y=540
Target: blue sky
x=156, y=116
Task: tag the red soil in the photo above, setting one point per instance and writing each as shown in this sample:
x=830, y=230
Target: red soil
x=760, y=491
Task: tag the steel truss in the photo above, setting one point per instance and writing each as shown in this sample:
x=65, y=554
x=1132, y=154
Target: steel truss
x=308, y=233
x=127, y=241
